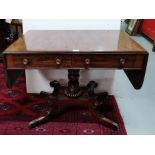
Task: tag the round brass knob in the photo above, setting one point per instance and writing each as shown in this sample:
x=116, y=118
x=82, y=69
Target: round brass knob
x=122, y=61
x=58, y=61
x=87, y=61
x=25, y=61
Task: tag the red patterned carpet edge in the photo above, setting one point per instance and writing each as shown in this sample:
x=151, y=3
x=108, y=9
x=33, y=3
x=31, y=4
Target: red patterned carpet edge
x=17, y=108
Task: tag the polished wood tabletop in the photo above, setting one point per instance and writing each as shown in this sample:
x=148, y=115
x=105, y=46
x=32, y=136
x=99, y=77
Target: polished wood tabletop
x=76, y=49
x=75, y=41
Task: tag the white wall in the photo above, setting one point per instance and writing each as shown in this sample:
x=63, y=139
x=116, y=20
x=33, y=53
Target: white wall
x=38, y=80
x=70, y=24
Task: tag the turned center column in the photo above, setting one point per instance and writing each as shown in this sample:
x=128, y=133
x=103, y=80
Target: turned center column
x=73, y=90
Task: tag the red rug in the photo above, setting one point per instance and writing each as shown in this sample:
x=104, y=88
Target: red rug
x=17, y=108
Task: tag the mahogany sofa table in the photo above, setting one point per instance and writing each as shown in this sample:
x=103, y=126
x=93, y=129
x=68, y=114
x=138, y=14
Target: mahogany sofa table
x=75, y=50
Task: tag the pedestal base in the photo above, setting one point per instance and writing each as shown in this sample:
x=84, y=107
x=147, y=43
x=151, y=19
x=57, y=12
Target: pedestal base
x=73, y=91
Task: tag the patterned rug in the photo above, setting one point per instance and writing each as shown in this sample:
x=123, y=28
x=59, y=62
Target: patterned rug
x=17, y=108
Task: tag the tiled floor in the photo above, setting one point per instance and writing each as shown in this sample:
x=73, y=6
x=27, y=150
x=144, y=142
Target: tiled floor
x=138, y=106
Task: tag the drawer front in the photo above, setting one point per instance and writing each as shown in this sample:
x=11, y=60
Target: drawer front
x=15, y=61
x=108, y=61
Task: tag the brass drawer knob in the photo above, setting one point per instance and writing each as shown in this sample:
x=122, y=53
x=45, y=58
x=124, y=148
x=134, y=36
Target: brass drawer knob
x=122, y=61
x=25, y=61
x=87, y=61
x=58, y=61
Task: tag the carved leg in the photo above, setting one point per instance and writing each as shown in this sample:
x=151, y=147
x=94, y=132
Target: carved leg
x=100, y=97
x=53, y=106
x=56, y=85
x=44, y=119
x=91, y=86
x=102, y=119
x=95, y=108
